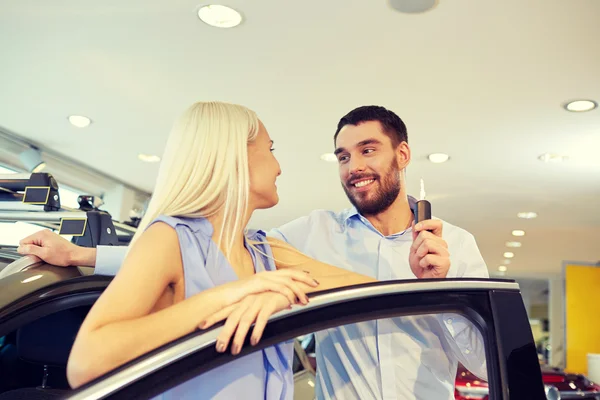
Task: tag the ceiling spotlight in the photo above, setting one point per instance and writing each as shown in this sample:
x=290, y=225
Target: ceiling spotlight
x=527, y=215
x=32, y=160
x=329, y=157
x=518, y=232
x=413, y=6
x=438, y=158
x=508, y=254
x=149, y=158
x=552, y=157
x=79, y=121
x=513, y=244
x=219, y=16
x=502, y=268
x=580, y=105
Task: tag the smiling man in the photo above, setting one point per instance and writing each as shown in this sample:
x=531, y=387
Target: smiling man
x=400, y=358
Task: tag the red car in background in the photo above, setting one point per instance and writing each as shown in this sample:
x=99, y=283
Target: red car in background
x=469, y=387
x=565, y=386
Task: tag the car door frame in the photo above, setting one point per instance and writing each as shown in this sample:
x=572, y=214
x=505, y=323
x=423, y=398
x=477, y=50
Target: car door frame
x=495, y=307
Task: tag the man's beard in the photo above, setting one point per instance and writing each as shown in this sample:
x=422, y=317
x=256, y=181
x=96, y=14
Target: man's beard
x=380, y=199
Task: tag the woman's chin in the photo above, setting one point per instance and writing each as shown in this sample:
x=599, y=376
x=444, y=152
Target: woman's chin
x=270, y=202
x=265, y=203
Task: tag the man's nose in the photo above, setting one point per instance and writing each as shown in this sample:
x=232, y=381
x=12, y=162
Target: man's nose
x=356, y=166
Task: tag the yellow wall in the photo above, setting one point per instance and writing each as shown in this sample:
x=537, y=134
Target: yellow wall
x=582, y=297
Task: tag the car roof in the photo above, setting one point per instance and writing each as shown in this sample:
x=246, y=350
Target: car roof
x=41, y=279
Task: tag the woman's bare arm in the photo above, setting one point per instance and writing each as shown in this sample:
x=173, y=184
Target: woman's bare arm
x=121, y=325
x=329, y=276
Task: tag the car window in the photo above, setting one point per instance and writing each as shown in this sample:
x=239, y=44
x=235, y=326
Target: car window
x=425, y=355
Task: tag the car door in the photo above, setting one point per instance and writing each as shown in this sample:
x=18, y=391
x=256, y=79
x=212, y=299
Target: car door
x=494, y=307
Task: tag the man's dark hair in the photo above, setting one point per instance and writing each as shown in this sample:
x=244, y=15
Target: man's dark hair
x=391, y=123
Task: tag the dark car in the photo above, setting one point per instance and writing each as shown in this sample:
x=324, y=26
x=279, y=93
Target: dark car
x=42, y=307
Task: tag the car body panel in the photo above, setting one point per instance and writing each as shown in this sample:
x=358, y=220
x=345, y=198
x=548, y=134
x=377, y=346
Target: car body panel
x=61, y=288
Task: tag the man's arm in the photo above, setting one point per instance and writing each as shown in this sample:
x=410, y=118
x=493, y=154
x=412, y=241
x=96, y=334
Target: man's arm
x=463, y=336
x=58, y=251
x=109, y=259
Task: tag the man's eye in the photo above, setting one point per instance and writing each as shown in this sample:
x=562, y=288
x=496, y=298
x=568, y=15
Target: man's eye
x=368, y=150
x=342, y=158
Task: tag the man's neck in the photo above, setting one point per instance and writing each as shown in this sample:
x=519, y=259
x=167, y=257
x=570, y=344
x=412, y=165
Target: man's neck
x=397, y=218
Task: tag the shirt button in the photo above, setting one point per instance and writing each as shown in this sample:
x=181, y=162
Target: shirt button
x=467, y=351
x=449, y=321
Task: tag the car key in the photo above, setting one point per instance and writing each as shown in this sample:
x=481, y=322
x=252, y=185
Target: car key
x=423, y=207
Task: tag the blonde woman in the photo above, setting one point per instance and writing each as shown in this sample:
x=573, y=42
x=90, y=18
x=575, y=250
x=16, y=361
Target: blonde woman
x=192, y=258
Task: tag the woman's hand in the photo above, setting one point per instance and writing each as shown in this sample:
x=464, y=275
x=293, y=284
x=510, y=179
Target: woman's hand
x=253, y=309
x=285, y=282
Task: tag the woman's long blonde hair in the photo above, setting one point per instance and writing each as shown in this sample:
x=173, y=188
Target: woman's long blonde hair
x=204, y=168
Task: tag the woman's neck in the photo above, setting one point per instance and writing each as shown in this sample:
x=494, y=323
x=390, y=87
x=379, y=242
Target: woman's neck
x=238, y=255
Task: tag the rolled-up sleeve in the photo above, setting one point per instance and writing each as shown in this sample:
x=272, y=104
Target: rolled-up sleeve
x=109, y=259
x=463, y=336
x=466, y=342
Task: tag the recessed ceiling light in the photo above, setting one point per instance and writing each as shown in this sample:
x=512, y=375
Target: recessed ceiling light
x=149, y=158
x=513, y=244
x=79, y=121
x=508, y=254
x=412, y=6
x=527, y=215
x=438, y=158
x=518, y=232
x=506, y=262
x=219, y=16
x=581, y=105
x=552, y=157
x=329, y=157
x=502, y=268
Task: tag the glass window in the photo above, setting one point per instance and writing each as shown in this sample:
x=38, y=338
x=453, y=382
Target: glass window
x=417, y=351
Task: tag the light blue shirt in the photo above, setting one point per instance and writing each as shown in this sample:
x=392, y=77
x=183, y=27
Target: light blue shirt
x=398, y=358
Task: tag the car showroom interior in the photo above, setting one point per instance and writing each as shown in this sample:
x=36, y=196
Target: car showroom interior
x=342, y=199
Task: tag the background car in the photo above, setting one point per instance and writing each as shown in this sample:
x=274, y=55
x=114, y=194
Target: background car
x=568, y=386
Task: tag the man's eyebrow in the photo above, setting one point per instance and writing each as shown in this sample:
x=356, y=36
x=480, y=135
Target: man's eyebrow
x=368, y=141
x=359, y=144
x=339, y=150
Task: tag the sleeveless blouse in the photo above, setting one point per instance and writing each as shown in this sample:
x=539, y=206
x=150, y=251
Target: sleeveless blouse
x=265, y=374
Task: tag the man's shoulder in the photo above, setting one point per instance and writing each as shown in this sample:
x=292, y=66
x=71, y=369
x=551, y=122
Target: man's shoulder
x=318, y=217
x=315, y=224
x=454, y=231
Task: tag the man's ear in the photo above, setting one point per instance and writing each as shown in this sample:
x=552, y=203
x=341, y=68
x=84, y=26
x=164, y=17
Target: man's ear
x=403, y=155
